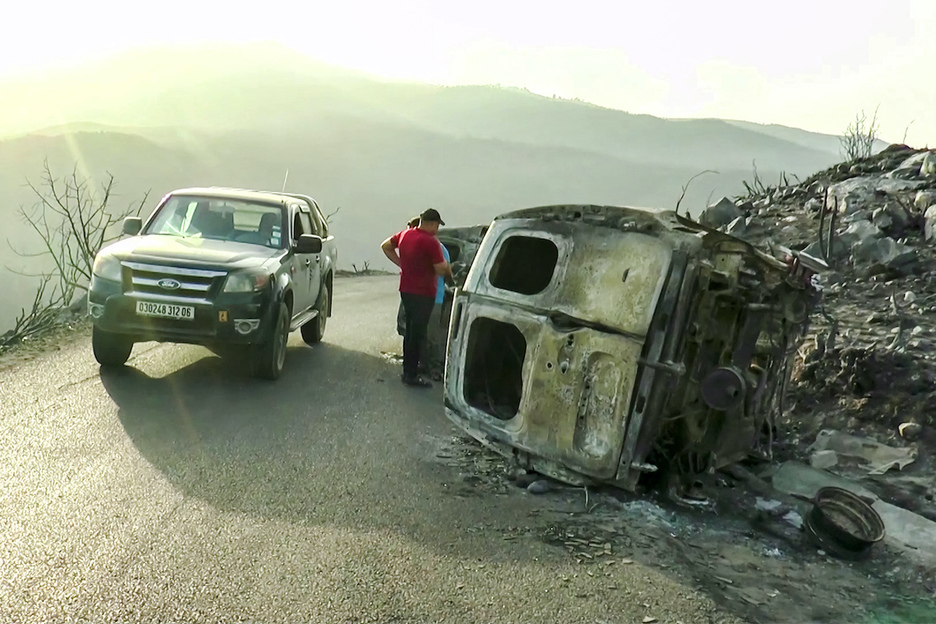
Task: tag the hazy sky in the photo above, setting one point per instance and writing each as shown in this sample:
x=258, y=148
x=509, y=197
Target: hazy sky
x=812, y=64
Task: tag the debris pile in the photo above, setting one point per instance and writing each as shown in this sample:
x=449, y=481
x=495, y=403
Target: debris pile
x=868, y=365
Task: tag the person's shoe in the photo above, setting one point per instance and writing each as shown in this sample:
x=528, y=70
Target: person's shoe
x=416, y=382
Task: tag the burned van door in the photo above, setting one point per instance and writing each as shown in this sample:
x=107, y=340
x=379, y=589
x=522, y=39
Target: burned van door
x=561, y=394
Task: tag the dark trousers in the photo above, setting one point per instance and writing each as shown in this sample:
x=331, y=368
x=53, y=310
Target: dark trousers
x=417, y=308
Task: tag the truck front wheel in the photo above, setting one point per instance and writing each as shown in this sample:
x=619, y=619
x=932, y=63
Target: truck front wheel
x=314, y=330
x=110, y=349
x=270, y=355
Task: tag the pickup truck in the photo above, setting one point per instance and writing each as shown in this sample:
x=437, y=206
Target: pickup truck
x=217, y=267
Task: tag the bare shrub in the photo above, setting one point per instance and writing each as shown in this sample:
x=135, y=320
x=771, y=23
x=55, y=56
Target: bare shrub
x=858, y=139
x=72, y=219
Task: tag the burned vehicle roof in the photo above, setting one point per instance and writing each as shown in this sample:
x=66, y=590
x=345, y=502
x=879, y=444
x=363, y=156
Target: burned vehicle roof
x=600, y=343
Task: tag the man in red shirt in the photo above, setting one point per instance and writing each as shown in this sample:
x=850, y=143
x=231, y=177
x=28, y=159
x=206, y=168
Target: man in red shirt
x=418, y=254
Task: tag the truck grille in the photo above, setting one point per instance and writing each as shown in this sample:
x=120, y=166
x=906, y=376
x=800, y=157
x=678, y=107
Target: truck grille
x=155, y=281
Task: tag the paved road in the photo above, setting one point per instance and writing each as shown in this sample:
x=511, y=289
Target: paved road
x=180, y=489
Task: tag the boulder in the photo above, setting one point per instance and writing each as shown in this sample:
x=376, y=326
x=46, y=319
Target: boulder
x=891, y=217
x=929, y=226
x=883, y=252
x=910, y=168
x=858, y=215
x=813, y=205
x=924, y=199
x=859, y=231
x=720, y=214
x=928, y=166
x=862, y=191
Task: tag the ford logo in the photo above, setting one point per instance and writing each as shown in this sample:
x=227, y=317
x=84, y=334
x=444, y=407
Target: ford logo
x=168, y=284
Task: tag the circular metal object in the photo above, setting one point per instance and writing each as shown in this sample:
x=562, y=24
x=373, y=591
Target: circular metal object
x=843, y=523
x=723, y=388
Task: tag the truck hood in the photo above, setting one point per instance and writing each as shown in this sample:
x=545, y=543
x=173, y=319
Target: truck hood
x=191, y=251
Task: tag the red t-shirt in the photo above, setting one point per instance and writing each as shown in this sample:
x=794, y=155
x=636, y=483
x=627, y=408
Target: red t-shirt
x=419, y=251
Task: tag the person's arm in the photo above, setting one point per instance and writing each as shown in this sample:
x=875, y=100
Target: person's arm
x=444, y=269
x=389, y=249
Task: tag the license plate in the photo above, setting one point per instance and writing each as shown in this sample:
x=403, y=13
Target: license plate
x=165, y=310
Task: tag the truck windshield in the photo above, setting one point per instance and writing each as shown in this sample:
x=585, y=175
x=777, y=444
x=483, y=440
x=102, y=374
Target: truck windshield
x=220, y=219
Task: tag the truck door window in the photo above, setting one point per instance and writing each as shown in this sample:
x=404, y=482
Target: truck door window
x=304, y=223
x=524, y=264
x=318, y=224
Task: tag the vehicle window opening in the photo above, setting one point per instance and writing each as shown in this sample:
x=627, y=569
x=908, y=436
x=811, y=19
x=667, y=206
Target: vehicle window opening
x=494, y=367
x=297, y=227
x=525, y=265
x=454, y=252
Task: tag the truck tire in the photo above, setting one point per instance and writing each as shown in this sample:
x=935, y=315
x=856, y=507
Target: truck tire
x=314, y=330
x=270, y=355
x=110, y=349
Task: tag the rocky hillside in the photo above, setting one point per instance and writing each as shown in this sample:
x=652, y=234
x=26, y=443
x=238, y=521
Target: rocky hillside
x=868, y=365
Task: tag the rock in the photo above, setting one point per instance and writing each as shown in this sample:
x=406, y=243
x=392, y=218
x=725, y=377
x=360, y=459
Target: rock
x=538, y=487
x=813, y=205
x=862, y=191
x=929, y=226
x=858, y=215
x=884, y=252
x=516, y=473
x=882, y=219
x=909, y=296
x=910, y=430
x=924, y=199
x=928, y=166
x=910, y=167
x=860, y=231
x=820, y=460
x=527, y=479
x=720, y=214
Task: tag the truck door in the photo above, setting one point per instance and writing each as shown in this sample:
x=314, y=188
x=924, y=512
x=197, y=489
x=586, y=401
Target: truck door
x=299, y=271
x=312, y=263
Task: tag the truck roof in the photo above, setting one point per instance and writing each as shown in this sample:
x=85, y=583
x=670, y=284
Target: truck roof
x=270, y=197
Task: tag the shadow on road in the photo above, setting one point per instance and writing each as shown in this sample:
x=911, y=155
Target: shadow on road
x=338, y=440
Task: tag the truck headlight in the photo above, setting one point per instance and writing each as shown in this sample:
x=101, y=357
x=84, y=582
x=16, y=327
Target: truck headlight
x=107, y=267
x=246, y=281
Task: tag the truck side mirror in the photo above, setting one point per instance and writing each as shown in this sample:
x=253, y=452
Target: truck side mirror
x=309, y=244
x=132, y=225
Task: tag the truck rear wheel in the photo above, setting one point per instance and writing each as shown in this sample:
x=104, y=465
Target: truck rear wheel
x=314, y=330
x=110, y=349
x=270, y=355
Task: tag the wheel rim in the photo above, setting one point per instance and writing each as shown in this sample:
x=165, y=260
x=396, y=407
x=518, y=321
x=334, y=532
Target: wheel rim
x=323, y=315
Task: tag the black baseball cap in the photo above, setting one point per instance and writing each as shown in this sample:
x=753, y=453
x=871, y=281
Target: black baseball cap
x=432, y=215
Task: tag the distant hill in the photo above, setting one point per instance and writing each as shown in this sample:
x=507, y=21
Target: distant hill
x=160, y=119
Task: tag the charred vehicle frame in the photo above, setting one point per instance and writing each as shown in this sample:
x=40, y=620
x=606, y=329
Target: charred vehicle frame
x=599, y=343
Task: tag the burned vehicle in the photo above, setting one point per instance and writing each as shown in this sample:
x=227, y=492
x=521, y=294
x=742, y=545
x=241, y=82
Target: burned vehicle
x=600, y=344
x=462, y=244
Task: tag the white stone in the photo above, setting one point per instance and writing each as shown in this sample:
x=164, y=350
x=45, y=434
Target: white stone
x=928, y=167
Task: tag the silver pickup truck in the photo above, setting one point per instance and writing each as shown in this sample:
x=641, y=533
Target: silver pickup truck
x=218, y=267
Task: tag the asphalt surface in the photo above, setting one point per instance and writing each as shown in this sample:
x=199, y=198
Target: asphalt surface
x=181, y=489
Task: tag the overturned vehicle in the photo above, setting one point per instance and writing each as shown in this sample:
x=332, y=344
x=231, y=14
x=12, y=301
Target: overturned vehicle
x=600, y=344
